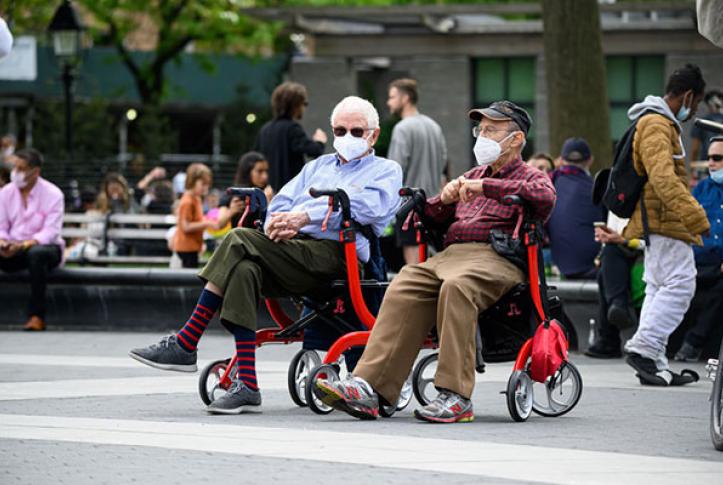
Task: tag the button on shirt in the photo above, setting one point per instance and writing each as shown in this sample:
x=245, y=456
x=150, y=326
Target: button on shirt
x=710, y=195
x=41, y=219
x=372, y=184
x=473, y=221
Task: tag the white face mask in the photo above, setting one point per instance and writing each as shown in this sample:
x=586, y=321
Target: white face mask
x=487, y=151
x=8, y=151
x=351, y=147
x=18, y=178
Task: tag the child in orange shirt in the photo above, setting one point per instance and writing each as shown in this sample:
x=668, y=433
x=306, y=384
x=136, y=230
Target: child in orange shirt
x=190, y=226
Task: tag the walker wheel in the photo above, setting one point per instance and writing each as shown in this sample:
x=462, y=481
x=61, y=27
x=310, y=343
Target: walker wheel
x=301, y=365
x=405, y=397
x=559, y=394
x=209, y=382
x=519, y=395
x=423, y=379
x=329, y=372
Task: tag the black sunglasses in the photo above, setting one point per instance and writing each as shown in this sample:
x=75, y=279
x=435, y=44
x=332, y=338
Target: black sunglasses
x=716, y=158
x=355, y=132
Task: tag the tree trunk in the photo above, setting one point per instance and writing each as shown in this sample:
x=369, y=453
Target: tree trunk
x=576, y=79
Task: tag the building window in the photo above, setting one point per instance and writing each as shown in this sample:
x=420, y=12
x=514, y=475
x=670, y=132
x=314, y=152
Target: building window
x=630, y=79
x=511, y=78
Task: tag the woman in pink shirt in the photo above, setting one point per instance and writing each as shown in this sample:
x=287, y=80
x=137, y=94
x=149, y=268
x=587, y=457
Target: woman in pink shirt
x=31, y=218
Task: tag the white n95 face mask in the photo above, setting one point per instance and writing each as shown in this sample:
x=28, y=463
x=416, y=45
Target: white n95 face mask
x=487, y=151
x=18, y=178
x=351, y=147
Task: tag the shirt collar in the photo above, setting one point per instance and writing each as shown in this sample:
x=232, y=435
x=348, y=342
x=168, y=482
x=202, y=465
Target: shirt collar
x=357, y=161
x=506, y=170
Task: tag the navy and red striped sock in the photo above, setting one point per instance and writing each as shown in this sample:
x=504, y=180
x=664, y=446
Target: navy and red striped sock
x=189, y=335
x=245, y=353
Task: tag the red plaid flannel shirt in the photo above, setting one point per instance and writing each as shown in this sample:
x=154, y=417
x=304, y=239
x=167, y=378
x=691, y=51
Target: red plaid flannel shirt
x=474, y=220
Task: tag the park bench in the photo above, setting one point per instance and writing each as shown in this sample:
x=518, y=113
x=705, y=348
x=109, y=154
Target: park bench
x=138, y=232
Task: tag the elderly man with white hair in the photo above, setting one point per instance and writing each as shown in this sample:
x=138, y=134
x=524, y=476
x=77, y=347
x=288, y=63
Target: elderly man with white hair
x=294, y=256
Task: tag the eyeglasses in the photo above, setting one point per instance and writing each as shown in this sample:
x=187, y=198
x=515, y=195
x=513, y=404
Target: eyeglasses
x=355, y=132
x=716, y=158
x=486, y=131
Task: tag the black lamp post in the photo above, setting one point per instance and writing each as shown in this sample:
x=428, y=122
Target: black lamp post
x=66, y=34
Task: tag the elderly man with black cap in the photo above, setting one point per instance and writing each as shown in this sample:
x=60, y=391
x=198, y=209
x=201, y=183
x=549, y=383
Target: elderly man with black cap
x=451, y=288
x=571, y=230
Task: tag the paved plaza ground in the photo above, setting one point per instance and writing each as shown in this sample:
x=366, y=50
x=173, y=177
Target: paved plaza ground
x=75, y=409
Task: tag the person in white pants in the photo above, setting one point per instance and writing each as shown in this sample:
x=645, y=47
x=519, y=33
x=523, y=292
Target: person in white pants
x=675, y=220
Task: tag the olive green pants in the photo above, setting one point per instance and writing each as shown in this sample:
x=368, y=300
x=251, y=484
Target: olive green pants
x=248, y=265
x=449, y=290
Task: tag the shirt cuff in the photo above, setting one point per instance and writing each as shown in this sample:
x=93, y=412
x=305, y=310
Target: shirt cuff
x=316, y=213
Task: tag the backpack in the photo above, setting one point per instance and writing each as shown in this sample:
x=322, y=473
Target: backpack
x=620, y=188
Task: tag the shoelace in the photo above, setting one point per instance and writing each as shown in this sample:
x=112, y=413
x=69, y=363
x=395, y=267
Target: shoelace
x=164, y=342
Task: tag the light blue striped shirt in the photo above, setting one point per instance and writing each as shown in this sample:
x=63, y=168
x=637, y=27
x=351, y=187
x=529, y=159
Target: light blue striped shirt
x=371, y=182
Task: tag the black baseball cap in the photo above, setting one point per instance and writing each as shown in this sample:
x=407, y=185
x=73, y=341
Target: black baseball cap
x=503, y=111
x=576, y=150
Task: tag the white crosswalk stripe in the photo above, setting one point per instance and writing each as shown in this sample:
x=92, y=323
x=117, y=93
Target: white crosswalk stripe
x=503, y=461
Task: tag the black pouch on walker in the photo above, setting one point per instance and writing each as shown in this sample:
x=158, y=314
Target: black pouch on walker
x=509, y=248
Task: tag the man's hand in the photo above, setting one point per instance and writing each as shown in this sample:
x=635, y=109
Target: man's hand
x=236, y=206
x=10, y=249
x=450, y=192
x=470, y=189
x=320, y=136
x=606, y=235
x=286, y=225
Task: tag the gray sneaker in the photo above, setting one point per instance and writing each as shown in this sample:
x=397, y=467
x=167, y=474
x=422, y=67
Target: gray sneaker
x=166, y=355
x=352, y=395
x=448, y=407
x=238, y=399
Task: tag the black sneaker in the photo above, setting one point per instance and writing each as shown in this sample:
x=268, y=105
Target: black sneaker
x=621, y=316
x=238, y=399
x=649, y=374
x=688, y=353
x=604, y=350
x=166, y=355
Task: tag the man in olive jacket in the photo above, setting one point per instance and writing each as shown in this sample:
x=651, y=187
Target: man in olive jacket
x=675, y=222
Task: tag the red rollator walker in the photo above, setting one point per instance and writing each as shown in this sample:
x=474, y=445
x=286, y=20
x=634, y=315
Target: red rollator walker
x=526, y=326
x=341, y=329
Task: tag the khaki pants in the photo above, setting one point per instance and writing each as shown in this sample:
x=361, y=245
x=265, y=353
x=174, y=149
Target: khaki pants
x=248, y=265
x=449, y=290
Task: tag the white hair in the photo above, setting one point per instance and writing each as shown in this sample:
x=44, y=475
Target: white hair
x=355, y=104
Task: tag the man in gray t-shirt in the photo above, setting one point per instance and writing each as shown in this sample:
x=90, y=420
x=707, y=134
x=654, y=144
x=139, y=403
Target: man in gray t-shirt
x=418, y=145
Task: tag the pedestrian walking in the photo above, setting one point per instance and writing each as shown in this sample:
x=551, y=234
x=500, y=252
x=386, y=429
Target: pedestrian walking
x=674, y=220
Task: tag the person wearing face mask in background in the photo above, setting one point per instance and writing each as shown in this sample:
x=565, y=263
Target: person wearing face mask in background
x=31, y=218
x=700, y=136
x=706, y=309
x=451, y=288
x=675, y=221
x=298, y=254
